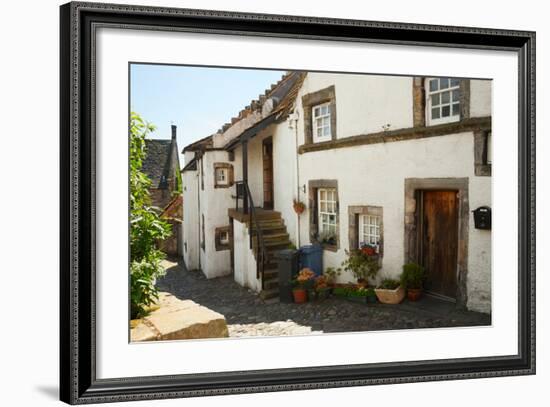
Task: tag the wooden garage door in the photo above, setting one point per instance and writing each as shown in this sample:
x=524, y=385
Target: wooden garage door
x=439, y=244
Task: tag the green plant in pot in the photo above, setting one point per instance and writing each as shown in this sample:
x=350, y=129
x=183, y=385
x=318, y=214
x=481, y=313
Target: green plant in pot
x=390, y=291
x=412, y=280
x=363, y=266
x=331, y=273
x=302, y=283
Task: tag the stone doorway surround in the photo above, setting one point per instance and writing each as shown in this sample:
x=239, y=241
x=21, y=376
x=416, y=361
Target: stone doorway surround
x=411, y=243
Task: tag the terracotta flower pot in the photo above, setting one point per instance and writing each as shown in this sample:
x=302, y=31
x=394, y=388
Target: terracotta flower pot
x=414, y=294
x=300, y=295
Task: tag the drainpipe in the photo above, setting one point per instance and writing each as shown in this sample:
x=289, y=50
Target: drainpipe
x=293, y=124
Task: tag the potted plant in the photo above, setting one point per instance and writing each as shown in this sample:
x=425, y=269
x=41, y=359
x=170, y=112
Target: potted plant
x=412, y=279
x=299, y=207
x=322, y=289
x=328, y=238
x=390, y=291
x=361, y=265
x=302, y=283
x=330, y=274
x=369, y=250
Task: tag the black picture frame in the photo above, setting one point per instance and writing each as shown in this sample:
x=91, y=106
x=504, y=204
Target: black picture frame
x=78, y=382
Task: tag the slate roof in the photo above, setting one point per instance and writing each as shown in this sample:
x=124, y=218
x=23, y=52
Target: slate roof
x=157, y=162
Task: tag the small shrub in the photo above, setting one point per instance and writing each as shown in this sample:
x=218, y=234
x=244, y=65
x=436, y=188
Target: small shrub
x=389, y=284
x=331, y=273
x=413, y=275
x=361, y=265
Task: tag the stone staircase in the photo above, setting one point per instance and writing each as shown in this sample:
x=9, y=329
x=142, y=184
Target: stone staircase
x=275, y=237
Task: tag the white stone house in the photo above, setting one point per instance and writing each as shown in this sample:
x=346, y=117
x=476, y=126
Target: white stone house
x=399, y=162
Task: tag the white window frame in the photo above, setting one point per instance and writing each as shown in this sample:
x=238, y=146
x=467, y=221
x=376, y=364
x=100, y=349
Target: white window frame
x=370, y=231
x=452, y=117
x=225, y=172
x=327, y=212
x=325, y=137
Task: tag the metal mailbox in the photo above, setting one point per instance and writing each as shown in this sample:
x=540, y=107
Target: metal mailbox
x=482, y=218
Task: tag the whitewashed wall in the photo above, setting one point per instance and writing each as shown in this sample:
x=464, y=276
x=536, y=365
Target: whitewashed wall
x=364, y=103
x=375, y=175
x=190, y=224
x=214, y=203
x=245, y=263
x=480, y=98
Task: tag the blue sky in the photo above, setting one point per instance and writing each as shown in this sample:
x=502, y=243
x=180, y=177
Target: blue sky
x=199, y=100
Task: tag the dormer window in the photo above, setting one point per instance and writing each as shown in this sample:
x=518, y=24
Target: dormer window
x=443, y=100
x=320, y=115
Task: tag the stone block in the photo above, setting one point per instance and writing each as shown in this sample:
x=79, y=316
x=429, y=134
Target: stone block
x=180, y=319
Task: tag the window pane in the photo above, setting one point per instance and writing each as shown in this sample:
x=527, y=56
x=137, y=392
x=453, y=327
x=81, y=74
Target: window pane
x=435, y=99
x=456, y=109
x=327, y=131
x=316, y=111
x=443, y=83
x=456, y=95
x=446, y=111
x=433, y=85
x=455, y=82
x=435, y=113
x=445, y=97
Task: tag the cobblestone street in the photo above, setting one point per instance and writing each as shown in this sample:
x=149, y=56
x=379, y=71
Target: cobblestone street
x=247, y=315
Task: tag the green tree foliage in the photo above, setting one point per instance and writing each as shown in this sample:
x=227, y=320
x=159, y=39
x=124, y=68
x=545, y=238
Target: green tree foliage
x=146, y=227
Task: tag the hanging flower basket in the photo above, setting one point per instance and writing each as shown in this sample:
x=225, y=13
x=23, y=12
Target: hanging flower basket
x=299, y=207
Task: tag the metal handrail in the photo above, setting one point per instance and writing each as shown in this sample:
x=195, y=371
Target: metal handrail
x=261, y=251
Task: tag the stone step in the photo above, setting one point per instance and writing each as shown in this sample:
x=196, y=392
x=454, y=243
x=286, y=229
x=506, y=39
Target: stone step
x=271, y=283
x=271, y=274
x=270, y=230
x=279, y=237
x=267, y=294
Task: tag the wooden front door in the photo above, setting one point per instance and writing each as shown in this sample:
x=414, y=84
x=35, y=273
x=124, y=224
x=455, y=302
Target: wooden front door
x=439, y=241
x=268, y=172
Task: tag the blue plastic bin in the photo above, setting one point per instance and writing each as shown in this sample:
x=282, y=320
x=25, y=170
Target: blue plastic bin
x=311, y=256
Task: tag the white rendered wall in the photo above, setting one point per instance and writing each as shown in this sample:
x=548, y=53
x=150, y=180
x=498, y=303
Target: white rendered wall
x=245, y=263
x=190, y=223
x=375, y=175
x=364, y=103
x=214, y=203
x=480, y=98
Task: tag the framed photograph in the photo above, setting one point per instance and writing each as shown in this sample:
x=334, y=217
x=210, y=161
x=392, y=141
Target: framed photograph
x=255, y=203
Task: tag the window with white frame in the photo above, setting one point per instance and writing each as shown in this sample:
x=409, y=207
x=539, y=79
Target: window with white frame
x=221, y=176
x=320, y=115
x=328, y=207
x=369, y=231
x=443, y=103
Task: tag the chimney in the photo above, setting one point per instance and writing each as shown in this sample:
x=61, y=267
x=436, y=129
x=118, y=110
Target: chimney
x=174, y=127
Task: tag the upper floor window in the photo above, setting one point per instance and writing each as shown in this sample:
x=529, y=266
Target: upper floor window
x=443, y=100
x=321, y=122
x=319, y=109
